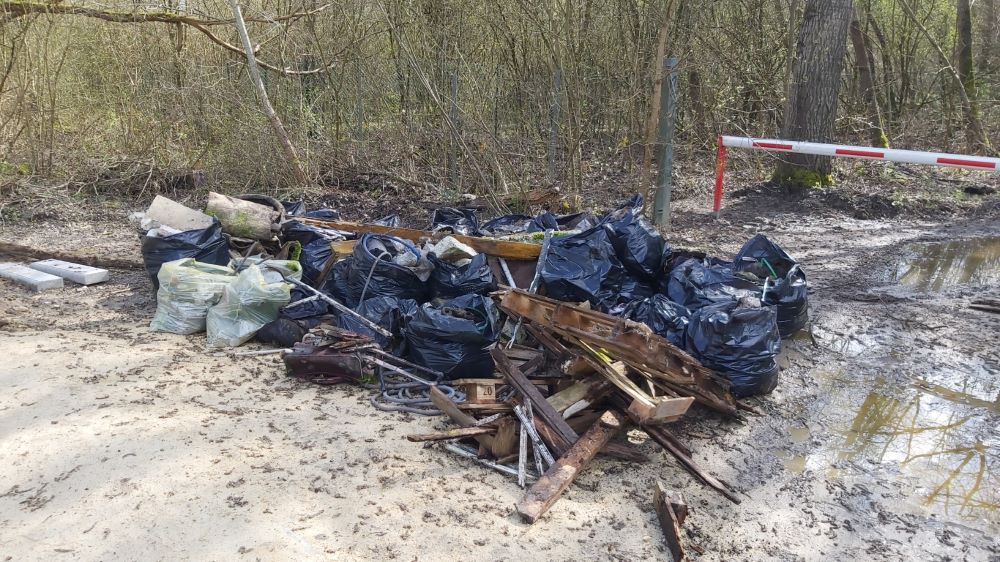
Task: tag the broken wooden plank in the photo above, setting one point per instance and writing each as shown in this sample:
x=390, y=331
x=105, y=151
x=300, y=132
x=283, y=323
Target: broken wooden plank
x=559, y=476
x=456, y=433
x=564, y=434
x=670, y=521
x=647, y=409
x=620, y=451
x=494, y=247
x=631, y=342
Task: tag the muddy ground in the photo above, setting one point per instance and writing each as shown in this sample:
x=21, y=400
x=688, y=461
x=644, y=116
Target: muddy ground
x=878, y=444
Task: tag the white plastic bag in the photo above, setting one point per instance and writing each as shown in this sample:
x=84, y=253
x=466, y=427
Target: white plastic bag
x=250, y=302
x=188, y=288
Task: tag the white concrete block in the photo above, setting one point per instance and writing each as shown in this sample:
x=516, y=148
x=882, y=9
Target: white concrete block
x=77, y=273
x=33, y=279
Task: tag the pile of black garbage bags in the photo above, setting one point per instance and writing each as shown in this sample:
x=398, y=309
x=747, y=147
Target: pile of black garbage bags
x=731, y=315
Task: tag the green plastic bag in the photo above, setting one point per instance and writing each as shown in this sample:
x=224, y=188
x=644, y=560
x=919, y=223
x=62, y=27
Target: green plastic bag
x=188, y=288
x=251, y=301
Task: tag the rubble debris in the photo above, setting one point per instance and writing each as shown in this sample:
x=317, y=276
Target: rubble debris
x=30, y=278
x=241, y=218
x=615, y=328
x=167, y=212
x=77, y=273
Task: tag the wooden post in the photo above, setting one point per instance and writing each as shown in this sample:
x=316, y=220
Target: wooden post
x=665, y=164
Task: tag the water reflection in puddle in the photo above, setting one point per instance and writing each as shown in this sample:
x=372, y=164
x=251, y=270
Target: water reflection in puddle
x=941, y=442
x=932, y=267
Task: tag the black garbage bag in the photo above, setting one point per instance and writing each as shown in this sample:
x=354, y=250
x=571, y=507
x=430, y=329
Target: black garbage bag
x=741, y=343
x=505, y=225
x=543, y=222
x=550, y=221
x=286, y=332
x=322, y=214
x=294, y=208
x=583, y=267
x=665, y=317
x=315, y=243
x=449, y=280
x=784, y=282
x=392, y=221
x=640, y=248
x=697, y=283
x=336, y=283
x=454, y=338
x=387, y=312
x=206, y=245
x=460, y=221
x=308, y=309
x=373, y=267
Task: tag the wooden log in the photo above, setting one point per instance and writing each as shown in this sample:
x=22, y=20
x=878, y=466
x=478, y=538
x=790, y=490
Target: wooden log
x=456, y=433
x=564, y=434
x=240, y=218
x=670, y=520
x=493, y=247
x=559, y=476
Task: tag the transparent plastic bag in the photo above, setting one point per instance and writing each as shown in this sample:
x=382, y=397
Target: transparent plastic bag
x=250, y=302
x=188, y=288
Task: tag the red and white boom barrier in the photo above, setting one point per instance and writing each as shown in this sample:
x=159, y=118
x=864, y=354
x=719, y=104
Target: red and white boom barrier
x=844, y=151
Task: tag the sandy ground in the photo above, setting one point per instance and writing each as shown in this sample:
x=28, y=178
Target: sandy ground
x=879, y=443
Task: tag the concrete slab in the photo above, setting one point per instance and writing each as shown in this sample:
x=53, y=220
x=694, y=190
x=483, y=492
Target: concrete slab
x=75, y=272
x=33, y=279
x=171, y=213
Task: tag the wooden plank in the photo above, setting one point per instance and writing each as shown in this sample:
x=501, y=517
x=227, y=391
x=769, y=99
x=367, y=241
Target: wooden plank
x=456, y=433
x=565, y=436
x=494, y=247
x=589, y=389
x=670, y=521
x=559, y=476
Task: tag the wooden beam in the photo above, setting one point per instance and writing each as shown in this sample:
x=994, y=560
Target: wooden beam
x=565, y=436
x=559, y=476
x=494, y=247
x=670, y=520
x=455, y=433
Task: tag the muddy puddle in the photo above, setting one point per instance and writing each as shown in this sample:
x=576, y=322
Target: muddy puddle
x=937, y=442
x=933, y=267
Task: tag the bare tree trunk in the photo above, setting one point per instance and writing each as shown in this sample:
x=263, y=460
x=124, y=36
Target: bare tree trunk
x=863, y=61
x=815, y=86
x=963, y=63
x=287, y=147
